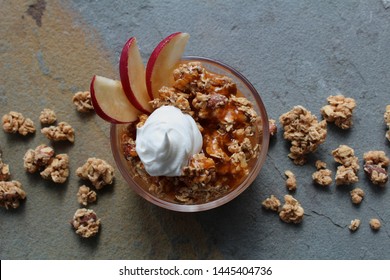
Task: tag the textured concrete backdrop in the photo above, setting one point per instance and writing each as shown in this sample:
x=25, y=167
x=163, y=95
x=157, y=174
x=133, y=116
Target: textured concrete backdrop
x=294, y=52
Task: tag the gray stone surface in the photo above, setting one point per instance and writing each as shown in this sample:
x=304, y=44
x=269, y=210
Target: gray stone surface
x=294, y=53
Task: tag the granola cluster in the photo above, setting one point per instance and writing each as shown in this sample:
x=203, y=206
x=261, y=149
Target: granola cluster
x=347, y=172
x=43, y=159
x=271, y=203
x=82, y=101
x=292, y=211
x=375, y=224
x=85, y=195
x=230, y=129
x=357, y=195
x=14, y=122
x=97, y=171
x=4, y=171
x=339, y=110
x=322, y=176
x=355, y=224
x=291, y=181
x=85, y=223
x=387, y=121
x=47, y=116
x=304, y=132
x=62, y=132
x=11, y=192
x=375, y=165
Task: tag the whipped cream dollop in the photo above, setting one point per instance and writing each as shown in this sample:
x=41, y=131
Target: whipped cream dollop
x=167, y=140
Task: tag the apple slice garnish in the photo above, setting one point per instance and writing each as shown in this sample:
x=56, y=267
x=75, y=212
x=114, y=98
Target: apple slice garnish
x=162, y=61
x=132, y=73
x=110, y=101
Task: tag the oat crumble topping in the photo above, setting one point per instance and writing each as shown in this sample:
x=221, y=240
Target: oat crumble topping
x=97, y=171
x=82, y=101
x=15, y=122
x=291, y=181
x=354, y=225
x=85, y=222
x=62, y=132
x=229, y=126
x=11, y=192
x=304, y=132
x=339, y=110
x=375, y=224
x=292, y=211
x=375, y=167
x=58, y=169
x=85, y=195
x=387, y=121
x=47, y=116
x=357, y=195
x=271, y=203
x=347, y=172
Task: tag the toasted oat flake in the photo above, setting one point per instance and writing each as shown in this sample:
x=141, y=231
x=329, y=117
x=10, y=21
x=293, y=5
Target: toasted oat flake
x=271, y=203
x=354, y=225
x=97, y=171
x=304, y=132
x=375, y=224
x=15, y=122
x=375, y=167
x=292, y=211
x=339, y=110
x=85, y=195
x=58, y=169
x=11, y=193
x=62, y=132
x=357, y=195
x=82, y=101
x=85, y=222
x=291, y=181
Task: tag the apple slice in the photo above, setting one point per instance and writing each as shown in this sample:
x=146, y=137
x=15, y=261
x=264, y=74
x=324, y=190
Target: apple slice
x=163, y=60
x=132, y=72
x=110, y=102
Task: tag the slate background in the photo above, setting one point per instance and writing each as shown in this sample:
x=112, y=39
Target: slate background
x=294, y=53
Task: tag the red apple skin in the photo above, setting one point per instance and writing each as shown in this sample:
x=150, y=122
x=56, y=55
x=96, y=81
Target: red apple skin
x=125, y=80
x=152, y=60
x=99, y=111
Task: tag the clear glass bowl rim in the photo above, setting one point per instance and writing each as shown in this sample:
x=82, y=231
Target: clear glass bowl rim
x=224, y=199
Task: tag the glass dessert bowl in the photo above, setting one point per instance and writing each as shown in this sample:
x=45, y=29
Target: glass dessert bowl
x=171, y=195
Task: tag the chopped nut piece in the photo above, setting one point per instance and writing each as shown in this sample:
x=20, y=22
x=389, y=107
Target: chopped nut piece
x=85, y=195
x=354, y=225
x=387, y=121
x=347, y=173
x=61, y=132
x=339, y=111
x=38, y=158
x=271, y=203
x=11, y=193
x=292, y=211
x=273, y=129
x=82, y=101
x=291, y=182
x=58, y=169
x=47, y=116
x=375, y=166
x=15, y=122
x=322, y=177
x=98, y=171
x=375, y=224
x=304, y=131
x=357, y=195
x=4, y=171
x=85, y=222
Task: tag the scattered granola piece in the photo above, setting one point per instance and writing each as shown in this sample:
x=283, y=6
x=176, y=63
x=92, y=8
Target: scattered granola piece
x=98, y=171
x=291, y=181
x=85, y=195
x=339, y=110
x=62, y=132
x=320, y=165
x=47, y=116
x=11, y=192
x=15, y=122
x=85, y=222
x=82, y=101
x=58, y=169
x=375, y=224
x=387, y=121
x=375, y=166
x=323, y=177
x=4, y=171
x=354, y=225
x=38, y=158
x=357, y=195
x=271, y=203
x=304, y=131
x=273, y=129
x=346, y=173
x=292, y=211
